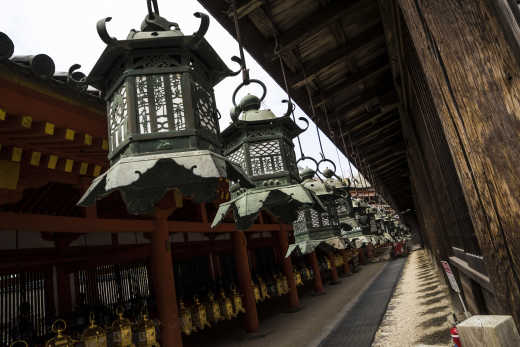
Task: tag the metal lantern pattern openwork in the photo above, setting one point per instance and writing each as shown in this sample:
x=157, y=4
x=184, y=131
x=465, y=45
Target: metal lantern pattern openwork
x=162, y=119
x=261, y=144
x=314, y=227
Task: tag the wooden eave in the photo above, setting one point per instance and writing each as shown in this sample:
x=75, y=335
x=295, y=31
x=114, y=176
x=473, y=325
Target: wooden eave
x=337, y=49
x=52, y=129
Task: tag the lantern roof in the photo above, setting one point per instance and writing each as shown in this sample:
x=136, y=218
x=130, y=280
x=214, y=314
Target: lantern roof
x=157, y=34
x=247, y=205
x=320, y=188
x=143, y=180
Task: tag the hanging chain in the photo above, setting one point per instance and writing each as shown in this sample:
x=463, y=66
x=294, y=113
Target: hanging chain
x=313, y=111
x=245, y=71
x=286, y=85
x=345, y=149
x=333, y=134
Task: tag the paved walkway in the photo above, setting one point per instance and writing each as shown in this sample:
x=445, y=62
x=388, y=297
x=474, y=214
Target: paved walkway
x=307, y=327
x=359, y=325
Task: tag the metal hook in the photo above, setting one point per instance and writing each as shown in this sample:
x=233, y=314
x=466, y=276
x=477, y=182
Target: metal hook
x=101, y=27
x=323, y=160
x=306, y=121
x=239, y=62
x=203, y=29
x=290, y=108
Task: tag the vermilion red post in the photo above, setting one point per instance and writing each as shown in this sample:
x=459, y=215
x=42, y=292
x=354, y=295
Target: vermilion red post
x=244, y=280
x=164, y=282
x=318, y=283
x=63, y=281
x=346, y=265
x=64, y=293
x=283, y=239
x=333, y=270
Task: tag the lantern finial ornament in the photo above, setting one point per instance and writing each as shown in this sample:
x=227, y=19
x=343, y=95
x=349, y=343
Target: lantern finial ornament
x=261, y=144
x=163, y=130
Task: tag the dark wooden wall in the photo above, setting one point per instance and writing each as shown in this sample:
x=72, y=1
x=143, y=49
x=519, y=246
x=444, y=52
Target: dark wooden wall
x=458, y=75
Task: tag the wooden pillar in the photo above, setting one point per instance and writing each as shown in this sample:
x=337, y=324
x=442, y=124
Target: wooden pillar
x=63, y=290
x=62, y=280
x=244, y=280
x=318, y=283
x=362, y=256
x=283, y=239
x=163, y=277
x=334, y=278
x=346, y=265
x=473, y=79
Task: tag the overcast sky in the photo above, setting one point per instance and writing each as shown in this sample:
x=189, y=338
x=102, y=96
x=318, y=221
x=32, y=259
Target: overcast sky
x=66, y=31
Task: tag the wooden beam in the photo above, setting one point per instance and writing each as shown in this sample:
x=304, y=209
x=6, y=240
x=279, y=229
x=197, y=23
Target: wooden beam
x=363, y=136
x=386, y=109
x=245, y=7
x=369, y=96
x=368, y=121
x=353, y=82
x=317, y=66
x=319, y=20
x=35, y=222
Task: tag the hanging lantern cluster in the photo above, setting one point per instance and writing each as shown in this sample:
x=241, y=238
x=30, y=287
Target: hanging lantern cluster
x=261, y=144
x=162, y=120
x=314, y=227
x=201, y=315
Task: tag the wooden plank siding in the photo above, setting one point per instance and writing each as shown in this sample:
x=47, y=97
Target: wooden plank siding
x=472, y=75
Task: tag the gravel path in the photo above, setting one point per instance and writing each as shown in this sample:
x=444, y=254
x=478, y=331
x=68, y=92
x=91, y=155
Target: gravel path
x=417, y=313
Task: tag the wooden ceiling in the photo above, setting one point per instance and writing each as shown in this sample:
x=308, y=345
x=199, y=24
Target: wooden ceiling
x=336, y=49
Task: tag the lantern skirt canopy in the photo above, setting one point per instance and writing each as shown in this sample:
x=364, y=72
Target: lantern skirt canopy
x=162, y=119
x=261, y=144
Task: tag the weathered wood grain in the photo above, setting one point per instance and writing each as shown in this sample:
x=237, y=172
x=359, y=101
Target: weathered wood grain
x=474, y=79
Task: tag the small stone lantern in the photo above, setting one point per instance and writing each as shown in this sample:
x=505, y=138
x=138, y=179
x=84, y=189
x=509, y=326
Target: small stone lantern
x=162, y=120
x=261, y=144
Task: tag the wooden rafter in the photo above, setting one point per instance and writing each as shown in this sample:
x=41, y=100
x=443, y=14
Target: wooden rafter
x=318, y=21
x=315, y=67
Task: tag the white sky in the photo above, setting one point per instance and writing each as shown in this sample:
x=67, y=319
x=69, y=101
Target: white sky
x=66, y=31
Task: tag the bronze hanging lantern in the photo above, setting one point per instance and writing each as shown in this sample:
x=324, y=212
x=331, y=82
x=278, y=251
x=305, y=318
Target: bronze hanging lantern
x=121, y=331
x=261, y=144
x=314, y=227
x=162, y=120
x=94, y=335
x=60, y=340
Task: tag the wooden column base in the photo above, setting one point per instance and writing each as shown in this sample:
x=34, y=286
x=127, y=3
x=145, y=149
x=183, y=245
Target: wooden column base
x=244, y=281
x=164, y=282
x=318, y=283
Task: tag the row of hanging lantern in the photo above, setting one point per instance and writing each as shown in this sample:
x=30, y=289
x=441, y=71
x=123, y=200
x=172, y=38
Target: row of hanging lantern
x=164, y=132
x=202, y=315
x=121, y=333
x=164, y=135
